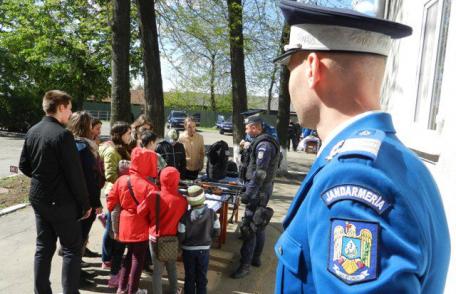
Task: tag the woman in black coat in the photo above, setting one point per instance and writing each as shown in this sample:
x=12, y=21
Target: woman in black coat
x=80, y=124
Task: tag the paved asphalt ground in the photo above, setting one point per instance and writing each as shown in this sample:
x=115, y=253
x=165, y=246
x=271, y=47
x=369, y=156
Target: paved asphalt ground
x=17, y=238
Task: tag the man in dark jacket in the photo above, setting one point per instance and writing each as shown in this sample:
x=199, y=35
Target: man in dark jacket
x=58, y=192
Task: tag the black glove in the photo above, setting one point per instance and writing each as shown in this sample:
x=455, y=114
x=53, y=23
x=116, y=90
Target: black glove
x=245, y=199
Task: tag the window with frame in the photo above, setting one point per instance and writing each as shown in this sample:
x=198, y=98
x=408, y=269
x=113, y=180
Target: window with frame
x=432, y=59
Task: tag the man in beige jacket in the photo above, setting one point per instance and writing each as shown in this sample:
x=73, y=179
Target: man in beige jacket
x=194, y=149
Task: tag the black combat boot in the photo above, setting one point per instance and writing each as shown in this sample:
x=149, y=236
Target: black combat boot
x=242, y=271
x=256, y=261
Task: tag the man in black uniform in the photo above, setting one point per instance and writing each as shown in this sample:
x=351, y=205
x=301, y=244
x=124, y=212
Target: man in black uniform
x=58, y=192
x=263, y=159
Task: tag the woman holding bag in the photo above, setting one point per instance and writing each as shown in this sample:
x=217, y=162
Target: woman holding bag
x=129, y=191
x=172, y=206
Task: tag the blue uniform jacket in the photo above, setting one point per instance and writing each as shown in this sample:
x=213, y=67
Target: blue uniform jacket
x=368, y=218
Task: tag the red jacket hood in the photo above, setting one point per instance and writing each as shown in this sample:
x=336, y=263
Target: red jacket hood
x=143, y=163
x=169, y=179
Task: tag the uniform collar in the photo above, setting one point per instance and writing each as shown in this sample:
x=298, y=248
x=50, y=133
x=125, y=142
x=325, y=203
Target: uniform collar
x=368, y=118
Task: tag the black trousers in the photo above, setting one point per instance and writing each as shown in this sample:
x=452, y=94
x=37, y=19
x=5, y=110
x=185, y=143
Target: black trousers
x=253, y=246
x=52, y=222
x=86, y=225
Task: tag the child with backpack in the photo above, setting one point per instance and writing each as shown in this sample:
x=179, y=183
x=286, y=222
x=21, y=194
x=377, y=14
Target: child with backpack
x=196, y=229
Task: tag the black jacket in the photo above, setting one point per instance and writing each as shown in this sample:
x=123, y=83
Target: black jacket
x=90, y=168
x=173, y=154
x=50, y=158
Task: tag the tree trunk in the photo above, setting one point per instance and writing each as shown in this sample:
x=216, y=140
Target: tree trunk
x=239, y=90
x=120, y=88
x=271, y=86
x=153, y=84
x=283, y=117
x=213, y=105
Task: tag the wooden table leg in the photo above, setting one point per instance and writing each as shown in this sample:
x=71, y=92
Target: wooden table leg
x=237, y=208
x=224, y=222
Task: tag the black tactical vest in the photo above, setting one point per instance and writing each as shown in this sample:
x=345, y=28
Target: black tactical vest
x=252, y=157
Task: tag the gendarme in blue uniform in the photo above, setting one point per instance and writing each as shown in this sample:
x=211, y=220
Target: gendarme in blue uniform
x=368, y=218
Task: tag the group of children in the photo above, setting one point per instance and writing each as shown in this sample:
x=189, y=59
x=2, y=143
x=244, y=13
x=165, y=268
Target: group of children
x=134, y=215
x=134, y=177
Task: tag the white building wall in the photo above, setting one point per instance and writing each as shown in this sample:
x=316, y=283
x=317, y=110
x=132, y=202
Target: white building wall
x=399, y=98
x=445, y=171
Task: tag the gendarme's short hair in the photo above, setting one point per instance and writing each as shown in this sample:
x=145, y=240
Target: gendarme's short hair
x=316, y=28
x=254, y=119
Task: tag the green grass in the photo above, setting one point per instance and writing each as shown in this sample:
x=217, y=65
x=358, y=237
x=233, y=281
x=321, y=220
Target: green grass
x=207, y=129
x=18, y=188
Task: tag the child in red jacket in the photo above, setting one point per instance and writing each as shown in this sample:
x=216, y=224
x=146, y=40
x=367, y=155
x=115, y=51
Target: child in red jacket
x=129, y=191
x=172, y=207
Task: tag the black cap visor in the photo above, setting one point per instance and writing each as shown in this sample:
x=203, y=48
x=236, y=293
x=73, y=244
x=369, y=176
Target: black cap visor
x=285, y=57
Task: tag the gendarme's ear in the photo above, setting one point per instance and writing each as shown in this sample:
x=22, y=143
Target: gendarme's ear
x=313, y=70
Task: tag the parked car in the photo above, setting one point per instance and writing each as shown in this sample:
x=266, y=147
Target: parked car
x=226, y=126
x=176, y=119
x=220, y=120
x=197, y=118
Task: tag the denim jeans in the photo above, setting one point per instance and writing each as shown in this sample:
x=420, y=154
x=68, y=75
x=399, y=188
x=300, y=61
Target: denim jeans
x=106, y=247
x=156, y=278
x=195, y=264
x=112, y=250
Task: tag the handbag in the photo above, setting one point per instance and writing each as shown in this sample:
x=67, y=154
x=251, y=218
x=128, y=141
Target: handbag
x=166, y=248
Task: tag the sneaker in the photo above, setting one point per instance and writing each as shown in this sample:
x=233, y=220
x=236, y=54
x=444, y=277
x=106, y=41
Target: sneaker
x=119, y=291
x=105, y=265
x=89, y=253
x=86, y=283
x=141, y=291
x=113, y=282
x=242, y=271
x=87, y=275
x=102, y=218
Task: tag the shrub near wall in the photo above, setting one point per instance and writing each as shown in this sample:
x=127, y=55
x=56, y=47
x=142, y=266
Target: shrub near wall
x=18, y=112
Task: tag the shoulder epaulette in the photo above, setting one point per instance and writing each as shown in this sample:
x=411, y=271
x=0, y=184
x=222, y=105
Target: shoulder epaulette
x=365, y=143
